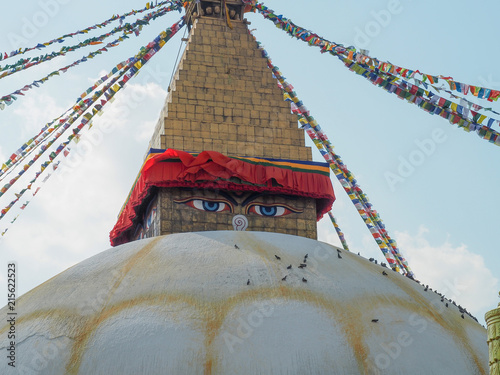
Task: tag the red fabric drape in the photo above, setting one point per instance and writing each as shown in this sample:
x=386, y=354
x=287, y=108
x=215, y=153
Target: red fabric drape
x=211, y=169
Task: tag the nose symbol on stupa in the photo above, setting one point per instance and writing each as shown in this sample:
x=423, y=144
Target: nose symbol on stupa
x=240, y=222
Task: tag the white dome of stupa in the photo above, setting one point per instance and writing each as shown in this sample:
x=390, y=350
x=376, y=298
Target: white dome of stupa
x=223, y=303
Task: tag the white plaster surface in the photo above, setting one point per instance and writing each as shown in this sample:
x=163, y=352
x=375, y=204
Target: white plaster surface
x=180, y=304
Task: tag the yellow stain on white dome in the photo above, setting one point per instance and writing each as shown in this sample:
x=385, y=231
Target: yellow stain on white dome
x=180, y=304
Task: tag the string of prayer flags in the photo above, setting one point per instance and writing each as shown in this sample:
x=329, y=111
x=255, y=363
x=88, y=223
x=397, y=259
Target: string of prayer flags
x=128, y=28
x=9, y=99
x=370, y=217
x=358, y=198
x=46, y=132
x=22, y=152
x=39, y=46
x=351, y=53
x=339, y=232
x=22, y=208
x=468, y=103
x=320, y=141
x=129, y=70
x=431, y=103
x=364, y=65
x=391, y=83
x=58, y=134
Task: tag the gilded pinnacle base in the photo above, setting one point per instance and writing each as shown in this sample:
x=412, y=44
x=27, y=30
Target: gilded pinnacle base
x=493, y=323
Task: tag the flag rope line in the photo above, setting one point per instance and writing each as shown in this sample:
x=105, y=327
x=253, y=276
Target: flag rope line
x=68, y=122
x=339, y=232
x=351, y=53
x=359, y=64
x=132, y=67
x=134, y=28
x=17, y=157
x=39, y=46
x=128, y=28
x=371, y=218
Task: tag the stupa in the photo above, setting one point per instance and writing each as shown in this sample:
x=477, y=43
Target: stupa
x=216, y=268
x=226, y=105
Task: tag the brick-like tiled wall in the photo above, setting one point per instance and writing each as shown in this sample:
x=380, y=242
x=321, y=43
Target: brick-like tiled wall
x=224, y=98
x=178, y=217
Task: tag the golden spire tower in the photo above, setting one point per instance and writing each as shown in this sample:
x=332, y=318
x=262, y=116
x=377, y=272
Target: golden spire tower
x=224, y=99
x=492, y=318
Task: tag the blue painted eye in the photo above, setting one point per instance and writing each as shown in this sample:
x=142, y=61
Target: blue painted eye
x=269, y=211
x=208, y=205
x=211, y=206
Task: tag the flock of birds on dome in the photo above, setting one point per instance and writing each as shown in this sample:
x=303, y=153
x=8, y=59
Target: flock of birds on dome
x=446, y=302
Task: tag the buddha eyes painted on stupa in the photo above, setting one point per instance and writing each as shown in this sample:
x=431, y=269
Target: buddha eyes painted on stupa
x=266, y=205
x=210, y=191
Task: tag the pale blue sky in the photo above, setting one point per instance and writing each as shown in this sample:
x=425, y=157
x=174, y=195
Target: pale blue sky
x=442, y=211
